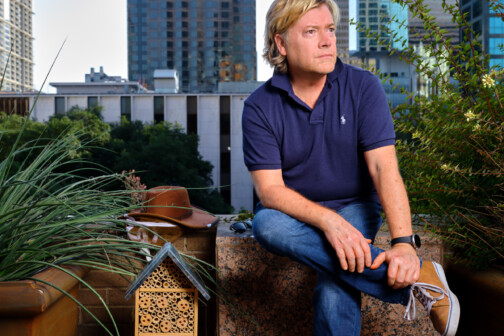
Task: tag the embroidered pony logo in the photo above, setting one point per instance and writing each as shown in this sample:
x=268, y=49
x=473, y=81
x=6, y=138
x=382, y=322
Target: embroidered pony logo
x=343, y=120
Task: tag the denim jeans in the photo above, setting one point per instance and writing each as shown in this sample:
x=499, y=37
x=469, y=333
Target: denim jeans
x=337, y=296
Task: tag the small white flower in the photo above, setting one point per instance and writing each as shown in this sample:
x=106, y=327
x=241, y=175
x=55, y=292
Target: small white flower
x=488, y=81
x=445, y=167
x=469, y=115
x=476, y=127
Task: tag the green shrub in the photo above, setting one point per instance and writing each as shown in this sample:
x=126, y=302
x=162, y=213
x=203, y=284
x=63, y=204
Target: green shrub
x=451, y=150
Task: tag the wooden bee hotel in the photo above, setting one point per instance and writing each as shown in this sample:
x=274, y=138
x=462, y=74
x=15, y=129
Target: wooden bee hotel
x=166, y=296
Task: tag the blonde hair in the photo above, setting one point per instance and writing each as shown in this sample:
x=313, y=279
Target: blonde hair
x=282, y=15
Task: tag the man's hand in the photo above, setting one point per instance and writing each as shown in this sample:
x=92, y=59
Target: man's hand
x=404, y=265
x=350, y=245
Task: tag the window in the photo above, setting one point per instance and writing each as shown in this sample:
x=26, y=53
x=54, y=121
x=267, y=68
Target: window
x=496, y=25
x=92, y=101
x=467, y=13
x=225, y=145
x=192, y=114
x=494, y=45
x=497, y=62
x=476, y=27
x=476, y=9
x=126, y=107
x=159, y=109
x=59, y=105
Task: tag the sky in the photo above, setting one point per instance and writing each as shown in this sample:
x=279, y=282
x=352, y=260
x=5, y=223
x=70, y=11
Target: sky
x=92, y=33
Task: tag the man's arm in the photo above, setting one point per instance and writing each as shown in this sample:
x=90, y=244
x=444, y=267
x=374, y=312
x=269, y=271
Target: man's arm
x=350, y=245
x=404, y=265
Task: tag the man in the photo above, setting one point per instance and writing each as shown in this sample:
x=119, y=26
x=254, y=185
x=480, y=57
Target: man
x=319, y=143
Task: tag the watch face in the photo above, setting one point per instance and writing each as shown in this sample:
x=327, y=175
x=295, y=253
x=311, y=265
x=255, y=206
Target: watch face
x=417, y=241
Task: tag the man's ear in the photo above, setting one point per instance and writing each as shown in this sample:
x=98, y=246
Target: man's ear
x=281, y=45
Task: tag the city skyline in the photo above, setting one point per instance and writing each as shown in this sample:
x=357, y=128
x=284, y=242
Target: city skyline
x=102, y=43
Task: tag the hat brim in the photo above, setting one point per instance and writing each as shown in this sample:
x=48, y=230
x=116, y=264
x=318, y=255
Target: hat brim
x=199, y=219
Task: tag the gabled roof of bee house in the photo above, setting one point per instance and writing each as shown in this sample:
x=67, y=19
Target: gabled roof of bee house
x=167, y=250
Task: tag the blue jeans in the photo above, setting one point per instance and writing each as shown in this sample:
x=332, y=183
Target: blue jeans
x=337, y=296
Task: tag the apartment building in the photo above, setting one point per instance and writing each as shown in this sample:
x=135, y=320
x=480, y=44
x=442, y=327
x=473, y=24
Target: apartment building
x=205, y=41
x=16, y=45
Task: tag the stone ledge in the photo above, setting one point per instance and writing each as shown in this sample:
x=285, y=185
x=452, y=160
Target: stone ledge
x=276, y=291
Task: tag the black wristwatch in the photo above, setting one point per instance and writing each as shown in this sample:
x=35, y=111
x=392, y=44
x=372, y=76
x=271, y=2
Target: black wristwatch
x=414, y=240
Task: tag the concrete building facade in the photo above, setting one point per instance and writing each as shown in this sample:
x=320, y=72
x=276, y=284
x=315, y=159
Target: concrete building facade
x=16, y=40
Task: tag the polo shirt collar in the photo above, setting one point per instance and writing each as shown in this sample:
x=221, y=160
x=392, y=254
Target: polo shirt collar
x=281, y=81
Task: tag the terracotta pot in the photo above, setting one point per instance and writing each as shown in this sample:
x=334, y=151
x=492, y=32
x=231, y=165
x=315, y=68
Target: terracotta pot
x=481, y=296
x=31, y=308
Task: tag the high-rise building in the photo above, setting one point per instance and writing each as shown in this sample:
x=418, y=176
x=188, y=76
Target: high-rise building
x=383, y=18
x=488, y=25
x=443, y=19
x=16, y=40
x=205, y=41
x=388, y=21
x=342, y=36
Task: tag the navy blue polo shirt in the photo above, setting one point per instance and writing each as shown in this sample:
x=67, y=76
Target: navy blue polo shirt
x=319, y=150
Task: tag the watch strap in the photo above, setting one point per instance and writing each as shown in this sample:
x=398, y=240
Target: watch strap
x=413, y=240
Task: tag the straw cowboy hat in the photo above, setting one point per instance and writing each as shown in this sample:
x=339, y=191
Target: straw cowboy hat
x=171, y=204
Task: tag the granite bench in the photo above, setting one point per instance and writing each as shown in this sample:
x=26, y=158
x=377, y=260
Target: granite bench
x=274, y=293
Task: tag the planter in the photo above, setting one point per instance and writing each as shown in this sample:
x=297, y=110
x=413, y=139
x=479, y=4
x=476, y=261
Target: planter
x=31, y=308
x=481, y=296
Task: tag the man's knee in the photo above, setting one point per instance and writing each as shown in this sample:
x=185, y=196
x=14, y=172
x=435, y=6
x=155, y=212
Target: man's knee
x=267, y=224
x=274, y=230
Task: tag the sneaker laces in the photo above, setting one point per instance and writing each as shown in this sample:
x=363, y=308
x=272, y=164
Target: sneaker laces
x=419, y=290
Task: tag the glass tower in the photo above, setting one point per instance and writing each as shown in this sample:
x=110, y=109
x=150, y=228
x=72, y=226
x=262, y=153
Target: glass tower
x=16, y=38
x=377, y=16
x=488, y=25
x=206, y=41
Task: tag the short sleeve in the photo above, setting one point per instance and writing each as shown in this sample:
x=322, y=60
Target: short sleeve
x=261, y=148
x=376, y=127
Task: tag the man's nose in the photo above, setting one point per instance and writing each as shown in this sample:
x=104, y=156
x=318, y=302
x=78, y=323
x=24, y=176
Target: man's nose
x=326, y=39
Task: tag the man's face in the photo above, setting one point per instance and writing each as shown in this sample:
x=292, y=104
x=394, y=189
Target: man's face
x=310, y=47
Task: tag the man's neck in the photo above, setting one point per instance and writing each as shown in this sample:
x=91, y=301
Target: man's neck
x=308, y=88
